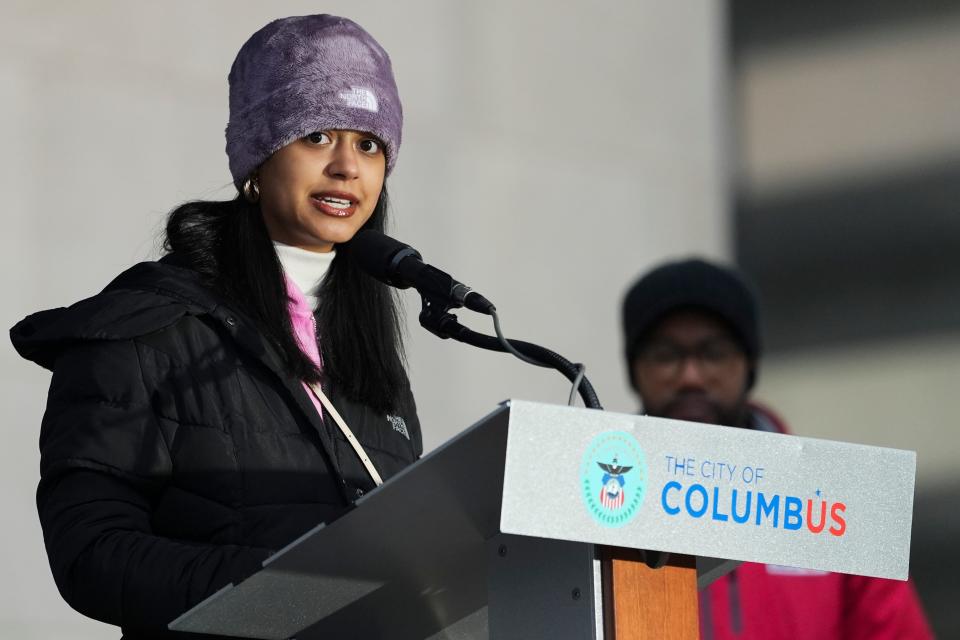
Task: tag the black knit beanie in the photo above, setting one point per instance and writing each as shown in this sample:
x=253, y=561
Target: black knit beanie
x=693, y=284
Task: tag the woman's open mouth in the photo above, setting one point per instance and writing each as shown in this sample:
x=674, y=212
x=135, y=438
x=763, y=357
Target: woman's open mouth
x=336, y=204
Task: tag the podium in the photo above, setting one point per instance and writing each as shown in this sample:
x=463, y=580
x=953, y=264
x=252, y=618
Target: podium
x=541, y=521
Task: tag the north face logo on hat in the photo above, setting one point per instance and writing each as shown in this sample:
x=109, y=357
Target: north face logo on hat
x=399, y=426
x=360, y=98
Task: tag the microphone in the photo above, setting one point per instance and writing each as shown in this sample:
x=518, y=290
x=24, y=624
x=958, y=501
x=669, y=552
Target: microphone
x=400, y=265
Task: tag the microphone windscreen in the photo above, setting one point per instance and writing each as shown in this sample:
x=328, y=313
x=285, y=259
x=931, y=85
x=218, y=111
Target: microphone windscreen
x=378, y=254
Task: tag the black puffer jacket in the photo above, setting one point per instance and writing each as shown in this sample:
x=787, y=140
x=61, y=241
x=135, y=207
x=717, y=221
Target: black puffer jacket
x=175, y=453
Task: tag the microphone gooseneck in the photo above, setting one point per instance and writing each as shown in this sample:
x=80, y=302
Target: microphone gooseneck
x=400, y=265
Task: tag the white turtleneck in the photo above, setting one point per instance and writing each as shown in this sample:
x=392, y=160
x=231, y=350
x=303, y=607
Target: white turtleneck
x=305, y=268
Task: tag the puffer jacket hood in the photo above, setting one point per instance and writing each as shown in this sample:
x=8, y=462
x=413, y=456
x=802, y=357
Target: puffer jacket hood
x=148, y=297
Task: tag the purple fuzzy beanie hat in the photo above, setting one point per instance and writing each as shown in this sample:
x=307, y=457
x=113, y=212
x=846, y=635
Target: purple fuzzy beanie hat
x=304, y=74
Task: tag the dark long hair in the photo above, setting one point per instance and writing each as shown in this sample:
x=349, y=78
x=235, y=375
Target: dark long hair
x=358, y=318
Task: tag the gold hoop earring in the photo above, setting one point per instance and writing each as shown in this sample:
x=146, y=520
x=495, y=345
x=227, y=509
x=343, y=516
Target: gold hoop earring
x=251, y=190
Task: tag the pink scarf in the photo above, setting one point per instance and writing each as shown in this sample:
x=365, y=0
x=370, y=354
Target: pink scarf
x=305, y=330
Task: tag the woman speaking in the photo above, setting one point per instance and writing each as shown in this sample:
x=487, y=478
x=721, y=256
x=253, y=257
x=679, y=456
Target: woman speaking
x=209, y=408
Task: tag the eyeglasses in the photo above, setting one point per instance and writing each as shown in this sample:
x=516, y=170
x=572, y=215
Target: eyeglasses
x=715, y=357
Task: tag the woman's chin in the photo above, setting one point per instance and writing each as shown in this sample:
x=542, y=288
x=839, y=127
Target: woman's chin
x=336, y=231
x=340, y=238
x=328, y=239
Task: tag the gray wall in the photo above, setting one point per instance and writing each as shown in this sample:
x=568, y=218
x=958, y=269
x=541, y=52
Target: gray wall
x=551, y=152
x=857, y=255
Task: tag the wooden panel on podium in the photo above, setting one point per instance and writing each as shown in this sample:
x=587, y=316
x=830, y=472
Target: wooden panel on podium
x=641, y=603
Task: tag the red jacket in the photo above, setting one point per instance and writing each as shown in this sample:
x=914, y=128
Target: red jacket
x=769, y=602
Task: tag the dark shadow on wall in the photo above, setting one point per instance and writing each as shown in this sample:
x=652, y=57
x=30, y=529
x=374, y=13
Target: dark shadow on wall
x=766, y=24
x=866, y=261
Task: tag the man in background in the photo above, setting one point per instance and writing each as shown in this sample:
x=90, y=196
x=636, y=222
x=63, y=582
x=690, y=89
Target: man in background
x=692, y=342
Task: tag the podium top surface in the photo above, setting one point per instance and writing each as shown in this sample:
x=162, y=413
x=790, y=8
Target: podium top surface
x=413, y=550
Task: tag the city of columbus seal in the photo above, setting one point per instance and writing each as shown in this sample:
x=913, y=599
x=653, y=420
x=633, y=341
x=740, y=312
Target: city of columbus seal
x=613, y=478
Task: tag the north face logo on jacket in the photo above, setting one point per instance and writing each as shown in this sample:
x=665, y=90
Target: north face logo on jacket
x=399, y=425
